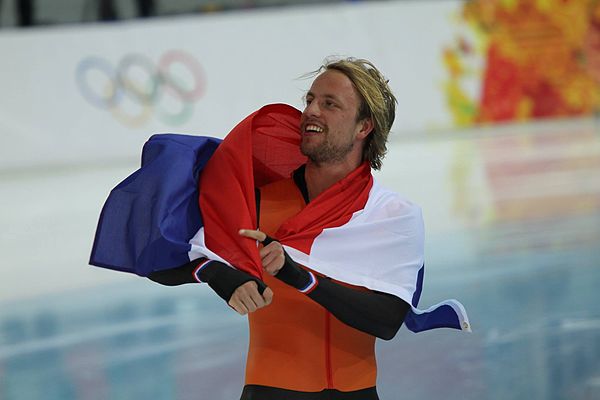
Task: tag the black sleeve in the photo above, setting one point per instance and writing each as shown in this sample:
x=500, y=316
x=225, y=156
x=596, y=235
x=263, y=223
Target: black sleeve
x=376, y=313
x=219, y=276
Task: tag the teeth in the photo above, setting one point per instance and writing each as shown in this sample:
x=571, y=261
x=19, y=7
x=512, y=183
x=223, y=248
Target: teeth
x=313, y=128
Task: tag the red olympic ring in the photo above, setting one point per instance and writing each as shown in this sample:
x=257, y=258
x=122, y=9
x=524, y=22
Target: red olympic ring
x=177, y=56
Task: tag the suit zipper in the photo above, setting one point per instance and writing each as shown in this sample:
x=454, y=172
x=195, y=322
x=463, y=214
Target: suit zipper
x=328, y=350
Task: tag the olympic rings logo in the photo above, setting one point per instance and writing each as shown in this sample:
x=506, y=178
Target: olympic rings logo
x=136, y=88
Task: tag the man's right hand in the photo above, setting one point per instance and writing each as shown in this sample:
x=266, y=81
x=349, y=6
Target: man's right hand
x=246, y=298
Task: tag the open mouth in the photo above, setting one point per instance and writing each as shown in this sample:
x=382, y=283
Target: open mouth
x=312, y=129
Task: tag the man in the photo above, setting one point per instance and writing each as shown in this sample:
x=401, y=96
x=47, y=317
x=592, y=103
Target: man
x=343, y=257
x=349, y=112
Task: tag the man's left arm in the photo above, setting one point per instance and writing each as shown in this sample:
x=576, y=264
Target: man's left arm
x=376, y=313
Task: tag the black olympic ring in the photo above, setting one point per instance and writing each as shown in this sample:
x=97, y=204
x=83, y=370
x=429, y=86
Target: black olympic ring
x=146, y=93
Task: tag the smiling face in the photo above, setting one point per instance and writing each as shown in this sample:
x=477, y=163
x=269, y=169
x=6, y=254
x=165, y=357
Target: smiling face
x=329, y=126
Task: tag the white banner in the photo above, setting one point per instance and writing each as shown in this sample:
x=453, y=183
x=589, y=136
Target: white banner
x=93, y=93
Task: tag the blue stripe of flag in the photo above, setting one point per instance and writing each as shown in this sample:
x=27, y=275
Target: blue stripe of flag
x=148, y=219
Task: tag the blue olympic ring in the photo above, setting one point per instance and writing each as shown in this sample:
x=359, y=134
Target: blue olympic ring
x=103, y=66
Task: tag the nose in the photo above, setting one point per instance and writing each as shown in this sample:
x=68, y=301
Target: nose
x=312, y=109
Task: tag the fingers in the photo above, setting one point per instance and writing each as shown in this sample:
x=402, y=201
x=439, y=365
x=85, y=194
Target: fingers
x=256, y=235
x=268, y=296
x=253, y=234
x=273, y=257
x=272, y=254
x=246, y=298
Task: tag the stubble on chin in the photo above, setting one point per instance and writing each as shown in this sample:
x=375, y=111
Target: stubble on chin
x=325, y=152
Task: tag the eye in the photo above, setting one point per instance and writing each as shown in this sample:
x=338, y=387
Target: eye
x=329, y=104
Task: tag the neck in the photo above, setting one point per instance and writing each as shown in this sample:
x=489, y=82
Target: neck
x=320, y=176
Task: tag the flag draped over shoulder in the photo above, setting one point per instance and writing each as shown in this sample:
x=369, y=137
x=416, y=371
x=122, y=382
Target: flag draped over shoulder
x=149, y=218
x=355, y=232
x=263, y=148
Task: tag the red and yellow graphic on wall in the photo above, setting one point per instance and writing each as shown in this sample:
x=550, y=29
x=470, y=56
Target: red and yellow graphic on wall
x=541, y=59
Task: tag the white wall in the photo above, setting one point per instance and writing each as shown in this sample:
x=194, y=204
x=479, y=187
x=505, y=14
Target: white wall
x=248, y=59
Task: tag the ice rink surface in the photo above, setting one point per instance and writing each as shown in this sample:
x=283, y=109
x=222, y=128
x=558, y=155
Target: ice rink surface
x=512, y=217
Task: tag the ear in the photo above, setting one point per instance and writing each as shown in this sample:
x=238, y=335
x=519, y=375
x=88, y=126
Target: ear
x=365, y=127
